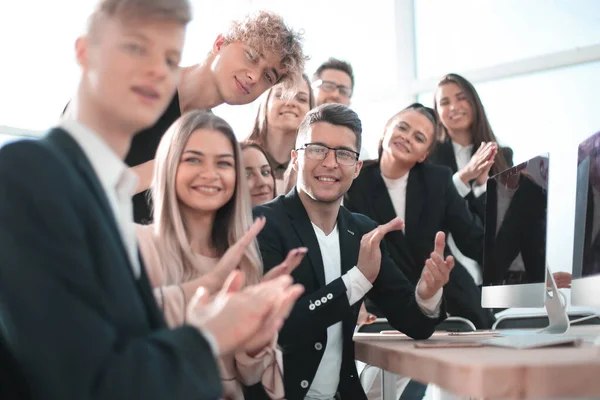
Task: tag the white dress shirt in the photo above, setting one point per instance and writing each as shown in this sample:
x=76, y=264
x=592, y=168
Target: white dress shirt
x=397, y=191
x=326, y=381
x=463, y=156
x=118, y=182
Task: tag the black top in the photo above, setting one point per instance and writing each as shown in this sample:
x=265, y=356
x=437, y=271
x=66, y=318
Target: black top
x=87, y=328
x=444, y=155
x=143, y=149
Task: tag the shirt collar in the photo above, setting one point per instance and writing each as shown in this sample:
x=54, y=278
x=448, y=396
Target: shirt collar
x=111, y=170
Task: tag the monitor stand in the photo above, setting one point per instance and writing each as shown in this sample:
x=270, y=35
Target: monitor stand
x=557, y=310
x=551, y=335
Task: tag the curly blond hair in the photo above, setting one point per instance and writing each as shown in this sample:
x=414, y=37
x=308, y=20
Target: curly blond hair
x=266, y=32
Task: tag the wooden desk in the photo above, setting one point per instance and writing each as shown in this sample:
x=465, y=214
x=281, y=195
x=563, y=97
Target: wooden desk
x=491, y=372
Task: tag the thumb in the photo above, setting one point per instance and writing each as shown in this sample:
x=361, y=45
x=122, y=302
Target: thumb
x=440, y=243
x=233, y=283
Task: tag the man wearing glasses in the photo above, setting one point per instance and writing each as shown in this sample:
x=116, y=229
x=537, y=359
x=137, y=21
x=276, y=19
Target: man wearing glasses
x=345, y=262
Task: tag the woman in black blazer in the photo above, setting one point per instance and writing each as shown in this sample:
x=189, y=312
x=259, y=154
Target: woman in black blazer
x=400, y=184
x=467, y=146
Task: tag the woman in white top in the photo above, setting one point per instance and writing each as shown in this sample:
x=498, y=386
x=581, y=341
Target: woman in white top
x=468, y=146
x=276, y=125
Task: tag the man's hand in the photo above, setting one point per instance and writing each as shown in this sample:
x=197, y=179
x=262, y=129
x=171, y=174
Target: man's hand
x=369, y=256
x=236, y=316
x=436, y=272
x=562, y=280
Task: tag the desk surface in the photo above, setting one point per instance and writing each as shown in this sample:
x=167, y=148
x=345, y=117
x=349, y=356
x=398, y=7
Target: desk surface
x=491, y=372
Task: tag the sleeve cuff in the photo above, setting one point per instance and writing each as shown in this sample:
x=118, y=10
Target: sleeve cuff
x=478, y=190
x=357, y=286
x=431, y=306
x=462, y=188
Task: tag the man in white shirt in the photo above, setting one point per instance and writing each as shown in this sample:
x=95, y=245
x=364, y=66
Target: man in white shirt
x=85, y=323
x=345, y=262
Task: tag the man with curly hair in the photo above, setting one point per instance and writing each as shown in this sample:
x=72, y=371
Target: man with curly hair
x=254, y=54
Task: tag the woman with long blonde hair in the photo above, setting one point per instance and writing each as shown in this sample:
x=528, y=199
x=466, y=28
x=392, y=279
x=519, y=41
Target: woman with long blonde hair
x=201, y=208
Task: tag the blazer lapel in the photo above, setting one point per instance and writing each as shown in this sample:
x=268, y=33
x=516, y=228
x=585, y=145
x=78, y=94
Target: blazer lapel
x=383, y=209
x=448, y=156
x=306, y=233
x=349, y=241
x=415, y=193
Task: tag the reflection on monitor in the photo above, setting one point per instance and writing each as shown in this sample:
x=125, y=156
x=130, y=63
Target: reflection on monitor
x=514, y=265
x=586, y=247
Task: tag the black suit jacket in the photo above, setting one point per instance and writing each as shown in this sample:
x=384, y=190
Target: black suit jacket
x=432, y=205
x=86, y=328
x=304, y=335
x=523, y=231
x=444, y=155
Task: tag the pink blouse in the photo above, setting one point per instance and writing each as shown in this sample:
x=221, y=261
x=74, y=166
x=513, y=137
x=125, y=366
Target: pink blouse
x=236, y=369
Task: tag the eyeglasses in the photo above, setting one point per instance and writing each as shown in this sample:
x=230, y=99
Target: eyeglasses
x=319, y=152
x=329, y=86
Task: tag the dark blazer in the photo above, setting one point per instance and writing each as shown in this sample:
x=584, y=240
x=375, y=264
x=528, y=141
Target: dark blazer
x=304, y=335
x=432, y=205
x=86, y=328
x=523, y=231
x=444, y=155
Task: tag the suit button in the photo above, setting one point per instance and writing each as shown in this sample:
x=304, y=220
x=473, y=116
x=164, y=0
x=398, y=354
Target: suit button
x=311, y=307
x=304, y=384
x=317, y=303
x=318, y=346
x=324, y=300
x=329, y=296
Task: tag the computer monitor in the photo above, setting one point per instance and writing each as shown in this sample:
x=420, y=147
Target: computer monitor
x=514, y=266
x=585, y=287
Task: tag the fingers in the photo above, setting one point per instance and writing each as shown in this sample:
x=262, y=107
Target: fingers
x=293, y=259
x=374, y=237
x=233, y=255
x=440, y=243
x=200, y=298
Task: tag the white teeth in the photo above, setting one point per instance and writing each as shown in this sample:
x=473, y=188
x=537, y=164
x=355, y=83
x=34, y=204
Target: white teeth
x=208, y=189
x=326, y=179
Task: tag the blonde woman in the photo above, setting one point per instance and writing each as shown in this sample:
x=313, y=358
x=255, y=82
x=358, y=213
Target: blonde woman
x=201, y=208
x=276, y=125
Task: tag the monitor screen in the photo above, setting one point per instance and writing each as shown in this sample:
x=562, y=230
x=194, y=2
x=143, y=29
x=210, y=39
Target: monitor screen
x=586, y=249
x=515, y=225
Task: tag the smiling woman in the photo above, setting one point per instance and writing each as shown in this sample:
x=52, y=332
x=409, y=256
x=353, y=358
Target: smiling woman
x=279, y=115
x=202, y=208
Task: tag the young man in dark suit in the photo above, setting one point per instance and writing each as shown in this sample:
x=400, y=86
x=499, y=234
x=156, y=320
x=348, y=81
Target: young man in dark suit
x=83, y=319
x=345, y=262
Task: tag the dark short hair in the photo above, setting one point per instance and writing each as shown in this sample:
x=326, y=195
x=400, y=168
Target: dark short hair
x=334, y=114
x=339, y=65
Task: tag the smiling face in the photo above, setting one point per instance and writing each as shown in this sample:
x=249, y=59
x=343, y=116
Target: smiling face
x=206, y=175
x=326, y=180
x=261, y=182
x=286, y=114
x=408, y=137
x=454, y=108
x=130, y=70
x=243, y=73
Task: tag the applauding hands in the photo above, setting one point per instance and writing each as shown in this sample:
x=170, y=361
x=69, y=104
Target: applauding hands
x=436, y=272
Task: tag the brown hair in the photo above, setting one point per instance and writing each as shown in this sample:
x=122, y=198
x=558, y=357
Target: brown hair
x=251, y=144
x=481, y=130
x=261, y=126
x=266, y=32
x=428, y=112
x=338, y=65
x=171, y=10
